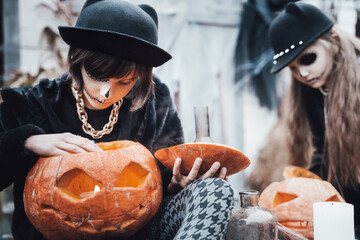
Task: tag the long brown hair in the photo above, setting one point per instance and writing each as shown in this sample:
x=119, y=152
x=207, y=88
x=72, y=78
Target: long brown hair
x=342, y=134
x=106, y=66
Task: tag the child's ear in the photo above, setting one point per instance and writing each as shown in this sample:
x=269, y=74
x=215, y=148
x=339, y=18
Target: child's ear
x=337, y=39
x=334, y=35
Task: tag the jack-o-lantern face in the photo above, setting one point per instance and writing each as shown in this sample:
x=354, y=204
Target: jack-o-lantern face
x=94, y=195
x=292, y=200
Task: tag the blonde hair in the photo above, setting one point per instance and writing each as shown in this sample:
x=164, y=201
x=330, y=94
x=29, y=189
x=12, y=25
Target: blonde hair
x=342, y=134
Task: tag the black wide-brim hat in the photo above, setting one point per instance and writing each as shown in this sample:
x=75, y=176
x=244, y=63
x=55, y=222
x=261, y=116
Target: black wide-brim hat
x=293, y=30
x=117, y=28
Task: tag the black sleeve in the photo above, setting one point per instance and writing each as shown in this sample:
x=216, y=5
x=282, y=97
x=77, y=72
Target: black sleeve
x=171, y=135
x=316, y=164
x=15, y=160
x=169, y=129
x=314, y=103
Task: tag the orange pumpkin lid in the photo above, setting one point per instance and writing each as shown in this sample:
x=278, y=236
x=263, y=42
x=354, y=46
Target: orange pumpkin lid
x=231, y=158
x=294, y=171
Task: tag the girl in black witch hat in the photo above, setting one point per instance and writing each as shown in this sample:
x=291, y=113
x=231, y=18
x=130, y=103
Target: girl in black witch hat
x=324, y=95
x=109, y=94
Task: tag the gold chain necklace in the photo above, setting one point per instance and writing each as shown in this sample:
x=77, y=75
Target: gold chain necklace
x=88, y=129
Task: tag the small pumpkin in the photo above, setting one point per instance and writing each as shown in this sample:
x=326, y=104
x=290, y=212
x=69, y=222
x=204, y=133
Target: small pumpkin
x=291, y=200
x=231, y=158
x=94, y=195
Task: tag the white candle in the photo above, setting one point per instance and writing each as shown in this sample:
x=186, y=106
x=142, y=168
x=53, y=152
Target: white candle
x=333, y=221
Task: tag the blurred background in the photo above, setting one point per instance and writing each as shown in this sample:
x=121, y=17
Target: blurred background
x=221, y=59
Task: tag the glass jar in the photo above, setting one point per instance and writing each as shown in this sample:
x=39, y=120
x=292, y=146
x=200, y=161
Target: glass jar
x=202, y=126
x=249, y=221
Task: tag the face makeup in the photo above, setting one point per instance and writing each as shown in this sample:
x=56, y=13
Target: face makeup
x=313, y=66
x=102, y=93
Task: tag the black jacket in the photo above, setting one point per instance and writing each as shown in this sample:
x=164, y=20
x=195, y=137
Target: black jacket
x=314, y=102
x=49, y=107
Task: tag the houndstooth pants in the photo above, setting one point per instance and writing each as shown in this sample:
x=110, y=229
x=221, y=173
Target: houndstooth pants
x=199, y=211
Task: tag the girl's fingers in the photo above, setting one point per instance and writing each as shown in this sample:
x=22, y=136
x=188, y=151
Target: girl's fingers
x=212, y=171
x=223, y=172
x=56, y=152
x=89, y=146
x=194, y=170
x=70, y=148
x=84, y=143
x=176, y=170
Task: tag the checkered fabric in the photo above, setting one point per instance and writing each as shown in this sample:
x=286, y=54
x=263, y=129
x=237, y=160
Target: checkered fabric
x=200, y=211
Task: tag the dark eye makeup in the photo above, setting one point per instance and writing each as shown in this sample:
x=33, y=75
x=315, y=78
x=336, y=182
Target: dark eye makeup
x=307, y=58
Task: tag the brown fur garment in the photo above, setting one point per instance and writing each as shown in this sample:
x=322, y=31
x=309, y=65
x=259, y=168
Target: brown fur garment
x=276, y=154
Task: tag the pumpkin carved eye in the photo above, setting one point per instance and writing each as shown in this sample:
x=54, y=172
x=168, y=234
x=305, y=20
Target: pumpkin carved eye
x=134, y=175
x=282, y=197
x=78, y=184
x=333, y=198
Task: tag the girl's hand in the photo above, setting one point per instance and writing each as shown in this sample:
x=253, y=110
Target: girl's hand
x=179, y=181
x=47, y=145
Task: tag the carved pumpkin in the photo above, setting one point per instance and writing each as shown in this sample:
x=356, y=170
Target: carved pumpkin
x=229, y=157
x=291, y=200
x=94, y=195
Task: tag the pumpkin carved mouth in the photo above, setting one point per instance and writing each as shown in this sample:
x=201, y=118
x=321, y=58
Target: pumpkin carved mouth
x=98, y=225
x=295, y=224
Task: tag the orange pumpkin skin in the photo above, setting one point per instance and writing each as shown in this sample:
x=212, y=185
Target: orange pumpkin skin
x=295, y=171
x=59, y=196
x=231, y=158
x=291, y=201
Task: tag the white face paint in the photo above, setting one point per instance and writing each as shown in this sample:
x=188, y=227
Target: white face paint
x=114, y=88
x=105, y=89
x=313, y=66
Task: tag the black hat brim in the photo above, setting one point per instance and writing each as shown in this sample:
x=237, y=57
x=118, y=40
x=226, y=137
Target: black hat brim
x=286, y=59
x=117, y=44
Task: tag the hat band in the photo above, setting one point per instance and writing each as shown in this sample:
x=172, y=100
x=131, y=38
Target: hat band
x=287, y=50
